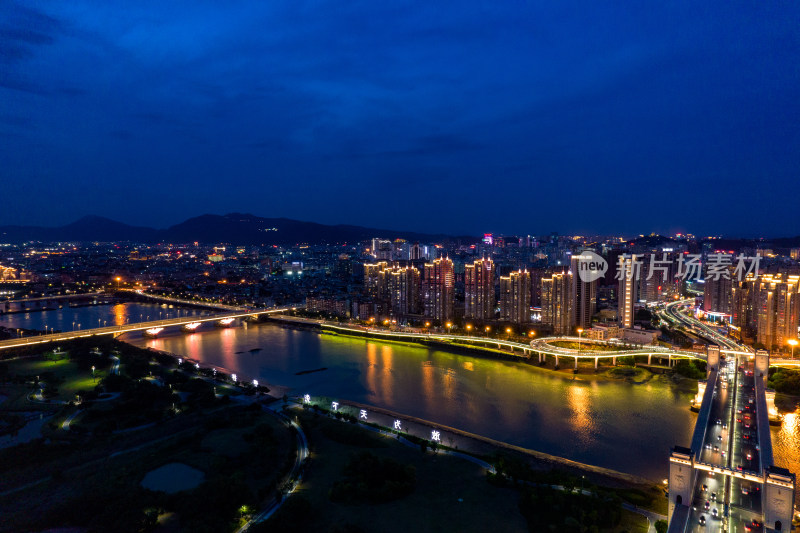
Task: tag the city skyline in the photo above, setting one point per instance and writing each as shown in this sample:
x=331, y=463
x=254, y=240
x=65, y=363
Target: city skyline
x=288, y=110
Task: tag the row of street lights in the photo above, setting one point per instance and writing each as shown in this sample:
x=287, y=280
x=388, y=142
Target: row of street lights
x=449, y=326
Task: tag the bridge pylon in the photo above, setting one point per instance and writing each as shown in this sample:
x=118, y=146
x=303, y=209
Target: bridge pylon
x=762, y=363
x=712, y=358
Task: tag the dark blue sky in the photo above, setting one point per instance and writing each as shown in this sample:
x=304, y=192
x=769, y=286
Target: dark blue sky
x=517, y=117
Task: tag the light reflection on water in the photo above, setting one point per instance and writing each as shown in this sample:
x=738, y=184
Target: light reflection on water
x=613, y=424
x=68, y=318
x=786, y=442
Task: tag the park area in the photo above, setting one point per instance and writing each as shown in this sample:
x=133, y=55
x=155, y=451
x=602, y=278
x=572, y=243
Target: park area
x=448, y=493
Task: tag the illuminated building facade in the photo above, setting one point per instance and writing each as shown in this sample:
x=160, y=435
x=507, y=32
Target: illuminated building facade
x=626, y=294
x=515, y=297
x=437, y=290
x=479, y=298
x=402, y=284
x=557, y=302
x=777, y=304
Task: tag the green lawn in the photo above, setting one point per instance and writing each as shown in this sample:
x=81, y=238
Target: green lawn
x=73, y=378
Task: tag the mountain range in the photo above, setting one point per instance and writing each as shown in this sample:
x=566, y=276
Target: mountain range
x=233, y=228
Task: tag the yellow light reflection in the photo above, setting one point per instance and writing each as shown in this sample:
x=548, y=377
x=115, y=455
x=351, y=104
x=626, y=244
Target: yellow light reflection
x=579, y=402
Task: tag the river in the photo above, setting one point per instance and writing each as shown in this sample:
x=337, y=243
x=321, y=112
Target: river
x=612, y=424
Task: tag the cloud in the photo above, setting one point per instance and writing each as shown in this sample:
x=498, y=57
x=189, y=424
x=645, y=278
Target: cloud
x=23, y=29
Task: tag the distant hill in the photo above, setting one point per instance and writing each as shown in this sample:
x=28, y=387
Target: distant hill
x=234, y=228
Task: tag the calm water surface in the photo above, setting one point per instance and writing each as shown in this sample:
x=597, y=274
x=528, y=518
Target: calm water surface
x=607, y=423
x=70, y=318
x=613, y=424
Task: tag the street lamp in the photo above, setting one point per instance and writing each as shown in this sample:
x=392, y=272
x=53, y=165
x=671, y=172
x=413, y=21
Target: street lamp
x=449, y=325
x=792, y=343
x=118, y=280
x=488, y=329
x=508, y=332
x=469, y=328
x=580, y=332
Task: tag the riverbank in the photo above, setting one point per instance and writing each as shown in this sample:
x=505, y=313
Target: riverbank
x=640, y=491
x=585, y=370
x=471, y=443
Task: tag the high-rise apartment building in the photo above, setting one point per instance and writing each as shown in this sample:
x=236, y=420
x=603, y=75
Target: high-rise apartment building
x=718, y=295
x=515, y=297
x=479, y=298
x=557, y=302
x=630, y=270
x=777, y=306
x=743, y=307
x=402, y=284
x=437, y=290
x=584, y=296
x=374, y=284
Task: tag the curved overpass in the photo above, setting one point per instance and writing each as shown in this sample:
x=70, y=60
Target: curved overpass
x=545, y=345
x=541, y=346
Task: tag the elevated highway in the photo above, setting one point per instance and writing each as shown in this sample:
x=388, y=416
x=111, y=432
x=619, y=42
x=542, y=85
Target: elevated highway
x=726, y=480
x=179, y=301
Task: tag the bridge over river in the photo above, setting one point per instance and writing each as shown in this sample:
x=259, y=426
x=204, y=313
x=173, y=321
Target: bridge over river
x=152, y=327
x=726, y=479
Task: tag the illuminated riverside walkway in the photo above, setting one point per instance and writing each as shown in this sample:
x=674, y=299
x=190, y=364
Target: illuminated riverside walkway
x=538, y=347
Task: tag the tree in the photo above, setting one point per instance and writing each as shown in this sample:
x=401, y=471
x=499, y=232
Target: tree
x=661, y=526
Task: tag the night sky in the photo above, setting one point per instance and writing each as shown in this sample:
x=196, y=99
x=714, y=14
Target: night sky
x=516, y=117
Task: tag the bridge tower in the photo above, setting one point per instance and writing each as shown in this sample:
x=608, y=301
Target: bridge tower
x=681, y=478
x=762, y=363
x=713, y=358
x=778, y=499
